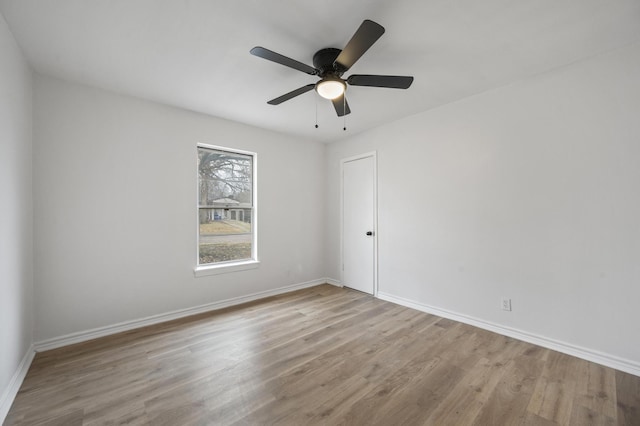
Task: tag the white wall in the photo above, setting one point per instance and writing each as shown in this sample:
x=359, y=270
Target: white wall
x=531, y=192
x=115, y=197
x=16, y=217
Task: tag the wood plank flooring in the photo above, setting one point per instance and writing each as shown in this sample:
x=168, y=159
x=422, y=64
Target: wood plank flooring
x=322, y=355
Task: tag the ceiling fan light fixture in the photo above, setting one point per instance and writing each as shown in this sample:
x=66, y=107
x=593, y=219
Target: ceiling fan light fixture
x=329, y=65
x=330, y=88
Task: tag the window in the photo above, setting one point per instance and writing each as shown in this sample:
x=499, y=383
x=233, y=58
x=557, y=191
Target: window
x=226, y=207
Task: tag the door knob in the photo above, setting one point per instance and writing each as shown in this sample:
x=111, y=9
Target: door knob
x=369, y=233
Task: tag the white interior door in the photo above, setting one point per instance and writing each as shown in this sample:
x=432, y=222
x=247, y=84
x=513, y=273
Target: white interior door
x=358, y=223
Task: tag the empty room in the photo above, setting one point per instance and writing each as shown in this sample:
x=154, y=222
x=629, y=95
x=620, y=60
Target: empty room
x=336, y=213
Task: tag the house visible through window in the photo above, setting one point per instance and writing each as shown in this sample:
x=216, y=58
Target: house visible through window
x=226, y=208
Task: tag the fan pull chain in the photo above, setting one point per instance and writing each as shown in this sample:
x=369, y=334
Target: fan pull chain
x=316, y=98
x=344, y=111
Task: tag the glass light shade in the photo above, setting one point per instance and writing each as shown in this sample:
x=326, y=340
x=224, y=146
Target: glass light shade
x=330, y=89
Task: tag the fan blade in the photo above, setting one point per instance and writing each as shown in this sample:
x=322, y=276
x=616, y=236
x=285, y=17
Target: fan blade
x=341, y=104
x=368, y=33
x=269, y=55
x=391, y=81
x=292, y=94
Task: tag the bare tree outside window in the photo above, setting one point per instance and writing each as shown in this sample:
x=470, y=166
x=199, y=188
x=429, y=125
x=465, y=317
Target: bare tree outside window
x=225, y=201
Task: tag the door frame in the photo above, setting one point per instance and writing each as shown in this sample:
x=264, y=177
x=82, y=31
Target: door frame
x=374, y=155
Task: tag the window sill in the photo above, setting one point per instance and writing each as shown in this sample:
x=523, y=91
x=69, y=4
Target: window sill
x=203, y=271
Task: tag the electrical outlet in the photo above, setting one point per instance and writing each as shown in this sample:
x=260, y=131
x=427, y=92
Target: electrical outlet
x=506, y=304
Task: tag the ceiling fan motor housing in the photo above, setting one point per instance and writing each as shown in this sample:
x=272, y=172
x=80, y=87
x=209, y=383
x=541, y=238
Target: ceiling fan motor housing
x=323, y=61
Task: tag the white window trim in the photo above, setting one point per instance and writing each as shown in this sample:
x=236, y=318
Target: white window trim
x=223, y=268
x=232, y=266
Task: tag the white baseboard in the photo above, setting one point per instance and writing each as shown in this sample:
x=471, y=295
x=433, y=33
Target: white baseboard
x=601, y=358
x=331, y=281
x=9, y=394
x=83, y=336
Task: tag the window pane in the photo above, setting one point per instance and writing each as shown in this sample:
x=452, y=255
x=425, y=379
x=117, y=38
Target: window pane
x=224, y=175
x=226, y=205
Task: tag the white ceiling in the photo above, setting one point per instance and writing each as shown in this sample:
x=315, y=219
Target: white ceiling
x=195, y=54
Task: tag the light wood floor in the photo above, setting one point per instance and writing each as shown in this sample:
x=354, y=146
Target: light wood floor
x=323, y=355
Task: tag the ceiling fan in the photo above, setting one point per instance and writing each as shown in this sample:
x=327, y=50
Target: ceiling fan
x=330, y=64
